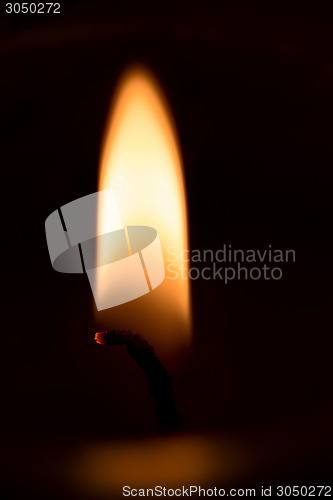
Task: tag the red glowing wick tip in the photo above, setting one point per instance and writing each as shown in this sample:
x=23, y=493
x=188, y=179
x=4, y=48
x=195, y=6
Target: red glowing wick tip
x=100, y=337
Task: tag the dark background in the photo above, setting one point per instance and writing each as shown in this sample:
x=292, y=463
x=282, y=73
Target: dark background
x=250, y=86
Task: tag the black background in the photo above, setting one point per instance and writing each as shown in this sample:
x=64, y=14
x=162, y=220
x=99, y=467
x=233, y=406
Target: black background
x=250, y=86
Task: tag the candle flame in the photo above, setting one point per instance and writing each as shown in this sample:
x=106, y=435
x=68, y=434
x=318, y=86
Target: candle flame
x=141, y=162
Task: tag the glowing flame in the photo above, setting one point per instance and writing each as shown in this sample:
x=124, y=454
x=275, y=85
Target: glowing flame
x=141, y=163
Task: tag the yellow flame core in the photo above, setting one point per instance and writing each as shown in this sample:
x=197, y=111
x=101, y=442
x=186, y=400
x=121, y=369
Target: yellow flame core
x=141, y=162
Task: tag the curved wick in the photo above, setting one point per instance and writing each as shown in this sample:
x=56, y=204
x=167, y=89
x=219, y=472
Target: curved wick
x=160, y=383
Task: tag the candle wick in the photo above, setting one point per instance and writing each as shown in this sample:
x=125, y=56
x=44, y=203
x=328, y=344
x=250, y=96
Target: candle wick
x=159, y=381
